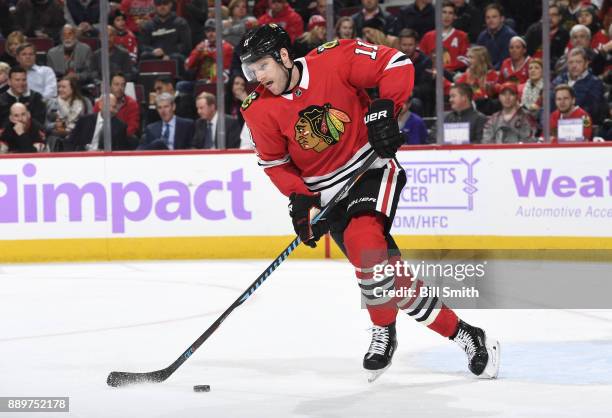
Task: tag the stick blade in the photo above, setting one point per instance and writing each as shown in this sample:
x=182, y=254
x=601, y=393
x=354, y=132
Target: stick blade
x=117, y=379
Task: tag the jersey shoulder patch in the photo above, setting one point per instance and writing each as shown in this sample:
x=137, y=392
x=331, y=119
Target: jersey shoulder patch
x=327, y=45
x=249, y=100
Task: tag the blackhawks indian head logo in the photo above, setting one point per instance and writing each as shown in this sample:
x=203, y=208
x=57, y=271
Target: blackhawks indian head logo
x=320, y=126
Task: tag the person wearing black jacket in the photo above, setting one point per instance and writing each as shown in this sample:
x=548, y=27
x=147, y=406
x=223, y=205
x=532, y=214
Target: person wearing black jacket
x=371, y=9
x=205, y=135
x=420, y=16
x=22, y=133
x=39, y=18
x=166, y=36
x=19, y=92
x=87, y=134
x=559, y=37
x=424, y=92
x=469, y=19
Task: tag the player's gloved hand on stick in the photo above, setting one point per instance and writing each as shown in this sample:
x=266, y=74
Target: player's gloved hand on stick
x=383, y=131
x=303, y=209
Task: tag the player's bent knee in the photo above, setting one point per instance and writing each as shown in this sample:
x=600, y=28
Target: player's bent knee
x=364, y=239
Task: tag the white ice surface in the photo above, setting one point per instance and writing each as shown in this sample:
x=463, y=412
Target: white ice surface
x=294, y=349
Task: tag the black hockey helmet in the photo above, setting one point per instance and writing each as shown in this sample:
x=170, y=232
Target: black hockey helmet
x=267, y=40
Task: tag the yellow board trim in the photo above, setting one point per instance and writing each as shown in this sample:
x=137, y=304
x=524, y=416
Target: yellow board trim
x=248, y=247
x=178, y=248
x=493, y=242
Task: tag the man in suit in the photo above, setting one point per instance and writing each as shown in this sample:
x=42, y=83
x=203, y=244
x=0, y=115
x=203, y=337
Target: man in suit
x=206, y=127
x=185, y=104
x=87, y=134
x=171, y=132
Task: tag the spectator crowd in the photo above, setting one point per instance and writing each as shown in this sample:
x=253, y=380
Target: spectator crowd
x=162, y=59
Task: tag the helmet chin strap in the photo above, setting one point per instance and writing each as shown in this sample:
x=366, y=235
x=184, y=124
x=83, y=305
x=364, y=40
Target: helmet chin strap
x=289, y=73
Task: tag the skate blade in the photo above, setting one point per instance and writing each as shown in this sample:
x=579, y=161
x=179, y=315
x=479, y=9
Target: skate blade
x=375, y=374
x=492, y=369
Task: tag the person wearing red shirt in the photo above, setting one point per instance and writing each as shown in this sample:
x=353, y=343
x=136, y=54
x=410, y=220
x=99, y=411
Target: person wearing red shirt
x=482, y=78
x=565, y=100
x=454, y=41
x=128, y=109
x=283, y=15
x=308, y=127
x=202, y=60
x=124, y=36
x=516, y=67
x=137, y=13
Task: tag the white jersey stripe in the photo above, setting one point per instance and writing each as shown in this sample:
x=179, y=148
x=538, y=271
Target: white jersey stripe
x=395, y=61
x=381, y=191
x=267, y=164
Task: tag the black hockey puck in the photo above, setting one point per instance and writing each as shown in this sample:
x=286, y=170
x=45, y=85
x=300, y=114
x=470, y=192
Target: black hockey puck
x=201, y=388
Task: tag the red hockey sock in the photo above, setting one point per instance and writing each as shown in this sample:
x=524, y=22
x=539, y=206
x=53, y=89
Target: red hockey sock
x=366, y=246
x=445, y=323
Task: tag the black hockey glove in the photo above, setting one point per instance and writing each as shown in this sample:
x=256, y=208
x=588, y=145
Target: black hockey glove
x=303, y=209
x=383, y=131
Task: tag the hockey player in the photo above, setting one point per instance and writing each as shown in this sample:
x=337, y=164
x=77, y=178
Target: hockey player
x=307, y=123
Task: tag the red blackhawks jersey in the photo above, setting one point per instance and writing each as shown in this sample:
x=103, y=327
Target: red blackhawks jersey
x=576, y=113
x=518, y=75
x=455, y=43
x=311, y=139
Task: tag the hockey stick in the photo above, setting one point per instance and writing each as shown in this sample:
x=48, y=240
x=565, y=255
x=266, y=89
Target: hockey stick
x=116, y=379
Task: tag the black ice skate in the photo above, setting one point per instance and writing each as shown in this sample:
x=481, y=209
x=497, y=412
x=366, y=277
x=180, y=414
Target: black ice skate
x=482, y=352
x=379, y=355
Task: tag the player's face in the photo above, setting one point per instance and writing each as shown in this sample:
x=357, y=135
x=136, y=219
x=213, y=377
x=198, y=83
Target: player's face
x=581, y=38
x=448, y=16
x=493, y=19
x=576, y=65
x=564, y=101
x=535, y=72
x=517, y=50
x=18, y=83
x=508, y=99
x=270, y=74
x=304, y=136
x=407, y=46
